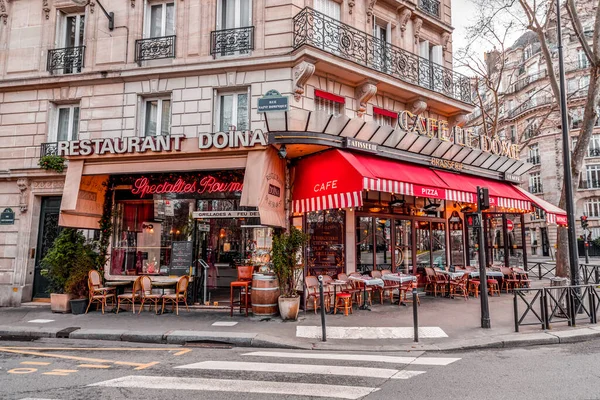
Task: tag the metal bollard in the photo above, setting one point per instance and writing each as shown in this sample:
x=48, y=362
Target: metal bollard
x=415, y=313
x=321, y=297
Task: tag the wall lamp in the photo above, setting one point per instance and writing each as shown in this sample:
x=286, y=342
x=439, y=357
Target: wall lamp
x=282, y=151
x=109, y=15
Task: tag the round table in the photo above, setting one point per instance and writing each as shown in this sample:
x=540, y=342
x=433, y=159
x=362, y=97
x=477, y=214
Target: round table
x=118, y=285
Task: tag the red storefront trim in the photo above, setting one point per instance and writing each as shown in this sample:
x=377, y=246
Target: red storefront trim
x=384, y=112
x=330, y=96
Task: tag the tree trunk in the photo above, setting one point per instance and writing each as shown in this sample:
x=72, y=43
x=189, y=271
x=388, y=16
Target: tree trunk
x=562, y=252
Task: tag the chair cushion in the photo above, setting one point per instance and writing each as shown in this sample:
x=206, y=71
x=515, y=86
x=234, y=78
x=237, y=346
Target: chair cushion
x=492, y=281
x=343, y=295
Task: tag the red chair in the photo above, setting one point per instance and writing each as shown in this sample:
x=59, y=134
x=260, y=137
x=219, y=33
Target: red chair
x=343, y=300
x=243, y=284
x=510, y=279
x=460, y=284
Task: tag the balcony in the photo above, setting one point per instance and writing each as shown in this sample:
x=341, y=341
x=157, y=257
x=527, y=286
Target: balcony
x=155, y=48
x=68, y=60
x=431, y=7
x=589, y=184
x=526, y=81
x=530, y=104
x=314, y=29
x=49, y=149
x=228, y=42
x=535, y=160
x=537, y=188
x=594, y=152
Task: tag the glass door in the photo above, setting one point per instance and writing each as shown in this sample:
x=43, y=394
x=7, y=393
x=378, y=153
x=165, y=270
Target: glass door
x=364, y=244
x=438, y=244
x=383, y=240
x=403, y=261
x=423, y=243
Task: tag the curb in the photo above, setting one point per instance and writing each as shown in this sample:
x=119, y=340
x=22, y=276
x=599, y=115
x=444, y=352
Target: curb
x=240, y=339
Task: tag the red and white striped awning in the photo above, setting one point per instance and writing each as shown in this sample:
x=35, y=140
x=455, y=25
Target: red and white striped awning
x=513, y=203
x=326, y=202
x=554, y=214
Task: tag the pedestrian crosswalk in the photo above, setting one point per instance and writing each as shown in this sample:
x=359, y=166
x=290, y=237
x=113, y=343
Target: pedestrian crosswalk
x=268, y=372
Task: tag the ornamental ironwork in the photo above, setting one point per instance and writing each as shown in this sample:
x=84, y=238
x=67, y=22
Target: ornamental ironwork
x=234, y=41
x=155, y=48
x=69, y=59
x=431, y=7
x=315, y=29
x=49, y=149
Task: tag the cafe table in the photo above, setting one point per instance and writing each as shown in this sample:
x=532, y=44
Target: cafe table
x=401, y=278
x=367, y=281
x=118, y=285
x=335, y=285
x=163, y=285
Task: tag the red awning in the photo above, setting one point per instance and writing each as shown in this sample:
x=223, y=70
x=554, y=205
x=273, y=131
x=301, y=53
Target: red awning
x=335, y=179
x=554, y=215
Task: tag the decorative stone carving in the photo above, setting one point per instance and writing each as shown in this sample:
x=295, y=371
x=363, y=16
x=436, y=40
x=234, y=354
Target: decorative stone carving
x=418, y=107
x=48, y=185
x=403, y=20
x=302, y=72
x=132, y=3
x=46, y=8
x=370, y=6
x=23, y=185
x=363, y=94
x=3, y=11
x=458, y=120
x=350, y=6
x=417, y=24
x=92, y=7
x=445, y=40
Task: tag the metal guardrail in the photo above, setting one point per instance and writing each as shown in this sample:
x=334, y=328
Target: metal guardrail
x=232, y=41
x=155, y=48
x=590, y=273
x=49, y=149
x=431, y=7
x=556, y=304
x=541, y=269
x=320, y=31
x=68, y=59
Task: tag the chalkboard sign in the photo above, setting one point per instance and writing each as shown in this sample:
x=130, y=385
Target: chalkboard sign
x=181, y=257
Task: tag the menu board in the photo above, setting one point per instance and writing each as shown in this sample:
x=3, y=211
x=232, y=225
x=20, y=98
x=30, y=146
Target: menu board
x=327, y=244
x=181, y=257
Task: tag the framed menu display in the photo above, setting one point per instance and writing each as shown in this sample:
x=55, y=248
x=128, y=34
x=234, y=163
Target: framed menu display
x=181, y=257
x=326, y=242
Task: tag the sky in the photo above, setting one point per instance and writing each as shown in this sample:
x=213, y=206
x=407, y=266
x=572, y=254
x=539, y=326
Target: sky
x=460, y=20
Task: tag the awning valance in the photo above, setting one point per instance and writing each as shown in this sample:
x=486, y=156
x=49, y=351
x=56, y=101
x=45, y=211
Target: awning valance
x=336, y=179
x=554, y=215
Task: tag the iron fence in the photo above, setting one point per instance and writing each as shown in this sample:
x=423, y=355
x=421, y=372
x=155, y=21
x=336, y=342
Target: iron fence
x=232, y=41
x=431, y=7
x=49, y=149
x=318, y=30
x=540, y=269
x=69, y=60
x=155, y=48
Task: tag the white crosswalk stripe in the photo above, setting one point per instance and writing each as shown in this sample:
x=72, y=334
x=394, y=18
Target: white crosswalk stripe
x=354, y=366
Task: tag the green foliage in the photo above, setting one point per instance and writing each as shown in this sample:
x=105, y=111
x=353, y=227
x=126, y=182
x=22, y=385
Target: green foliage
x=68, y=262
x=106, y=225
x=286, y=257
x=52, y=162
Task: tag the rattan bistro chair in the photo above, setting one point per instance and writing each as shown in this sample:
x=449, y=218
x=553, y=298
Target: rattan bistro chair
x=130, y=297
x=180, y=295
x=98, y=293
x=147, y=296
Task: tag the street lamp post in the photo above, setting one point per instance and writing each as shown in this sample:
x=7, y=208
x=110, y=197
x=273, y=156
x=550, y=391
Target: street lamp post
x=568, y=182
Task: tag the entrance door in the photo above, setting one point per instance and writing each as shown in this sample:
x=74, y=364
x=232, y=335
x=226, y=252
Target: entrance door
x=545, y=242
x=47, y=233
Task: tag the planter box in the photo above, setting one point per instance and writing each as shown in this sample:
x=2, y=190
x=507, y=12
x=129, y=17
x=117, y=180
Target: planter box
x=78, y=306
x=60, y=303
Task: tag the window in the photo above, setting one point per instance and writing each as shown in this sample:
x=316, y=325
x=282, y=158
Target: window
x=527, y=53
x=68, y=55
x=595, y=232
x=232, y=111
x=330, y=8
x=535, y=183
x=233, y=14
x=534, y=154
x=592, y=174
x=66, y=125
x=157, y=117
x=384, y=117
x=381, y=32
x=161, y=20
x=572, y=85
x=582, y=60
x=530, y=128
x=510, y=105
x=330, y=103
x=71, y=30
x=584, y=82
x=512, y=134
x=576, y=118
x=538, y=214
x=594, y=146
x=591, y=208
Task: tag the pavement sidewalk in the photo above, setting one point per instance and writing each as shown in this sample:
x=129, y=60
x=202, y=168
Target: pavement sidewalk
x=445, y=324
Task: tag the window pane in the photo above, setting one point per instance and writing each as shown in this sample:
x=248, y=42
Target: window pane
x=226, y=112
x=75, y=134
x=364, y=244
x=228, y=14
x=62, y=132
x=438, y=244
x=403, y=252
x=245, y=13
x=151, y=113
x=156, y=20
x=383, y=248
x=242, y=112
x=81, y=26
x=423, y=244
x=165, y=122
x=170, y=28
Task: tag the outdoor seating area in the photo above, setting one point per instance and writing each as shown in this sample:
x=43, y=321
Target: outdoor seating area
x=143, y=291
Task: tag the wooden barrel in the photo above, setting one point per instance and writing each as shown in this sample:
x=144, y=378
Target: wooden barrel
x=265, y=292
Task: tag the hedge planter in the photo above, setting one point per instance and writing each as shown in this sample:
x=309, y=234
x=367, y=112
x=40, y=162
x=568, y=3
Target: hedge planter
x=289, y=307
x=60, y=303
x=78, y=306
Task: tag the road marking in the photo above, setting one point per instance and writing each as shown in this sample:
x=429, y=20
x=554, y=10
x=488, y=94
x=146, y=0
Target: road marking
x=366, y=332
x=356, y=357
x=94, y=366
x=68, y=371
x=293, y=368
x=404, y=374
x=41, y=321
x=225, y=323
x=139, y=366
x=21, y=371
x=145, y=349
x=241, y=386
x=182, y=352
x=35, y=363
x=56, y=373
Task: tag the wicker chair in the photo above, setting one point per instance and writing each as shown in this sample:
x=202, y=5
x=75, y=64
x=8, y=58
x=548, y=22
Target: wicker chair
x=131, y=297
x=98, y=293
x=312, y=290
x=147, y=296
x=179, y=296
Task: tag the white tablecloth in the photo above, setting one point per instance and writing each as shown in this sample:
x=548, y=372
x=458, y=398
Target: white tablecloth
x=498, y=274
x=452, y=275
x=367, y=280
x=399, y=278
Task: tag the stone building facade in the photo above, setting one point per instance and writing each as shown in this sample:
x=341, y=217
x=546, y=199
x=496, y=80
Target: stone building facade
x=174, y=67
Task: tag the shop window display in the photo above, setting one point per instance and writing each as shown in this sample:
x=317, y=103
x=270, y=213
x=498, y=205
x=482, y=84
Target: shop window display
x=325, y=251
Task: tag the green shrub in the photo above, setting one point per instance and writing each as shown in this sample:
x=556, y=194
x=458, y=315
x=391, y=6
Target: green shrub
x=52, y=162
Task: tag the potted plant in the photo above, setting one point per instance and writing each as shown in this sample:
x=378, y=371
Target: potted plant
x=52, y=162
x=286, y=262
x=66, y=267
x=77, y=283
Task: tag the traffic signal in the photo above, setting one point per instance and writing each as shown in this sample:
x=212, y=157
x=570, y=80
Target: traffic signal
x=483, y=198
x=584, y=221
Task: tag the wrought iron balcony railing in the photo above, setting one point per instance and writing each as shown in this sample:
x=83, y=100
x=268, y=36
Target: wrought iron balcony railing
x=49, y=149
x=431, y=7
x=69, y=59
x=155, y=48
x=535, y=160
x=536, y=188
x=228, y=42
x=526, y=81
x=594, y=152
x=529, y=104
x=315, y=29
x=589, y=184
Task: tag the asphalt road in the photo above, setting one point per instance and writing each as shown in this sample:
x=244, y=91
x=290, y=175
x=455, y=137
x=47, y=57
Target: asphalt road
x=77, y=370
